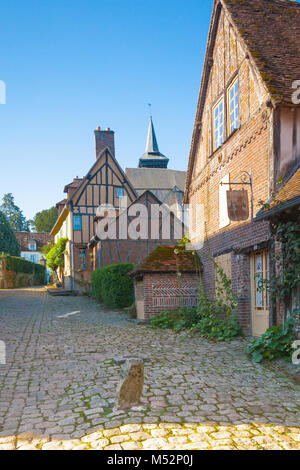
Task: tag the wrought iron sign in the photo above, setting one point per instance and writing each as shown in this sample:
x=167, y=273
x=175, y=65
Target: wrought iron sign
x=237, y=200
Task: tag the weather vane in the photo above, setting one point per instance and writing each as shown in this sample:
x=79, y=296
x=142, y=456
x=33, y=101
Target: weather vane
x=150, y=109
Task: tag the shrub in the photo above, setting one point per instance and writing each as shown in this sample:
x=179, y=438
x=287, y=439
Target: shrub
x=178, y=320
x=113, y=286
x=276, y=342
x=16, y=265
x=56, y=255
x=217, y=318
x=96, y=285
x=213, y=319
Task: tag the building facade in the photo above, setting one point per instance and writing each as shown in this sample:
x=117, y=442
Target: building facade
x=31, y=245
x=104, y=184
x=246, y=136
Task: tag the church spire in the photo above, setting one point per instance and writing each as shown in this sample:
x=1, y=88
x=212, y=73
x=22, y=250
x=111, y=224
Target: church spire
x=152, y=146
x=152, y=157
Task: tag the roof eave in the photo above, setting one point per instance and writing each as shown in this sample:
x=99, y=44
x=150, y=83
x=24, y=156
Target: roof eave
x=58, y=224
x=277, y=209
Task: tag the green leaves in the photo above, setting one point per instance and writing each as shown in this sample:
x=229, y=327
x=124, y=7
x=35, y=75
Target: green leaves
x=212, y=319
x=179, y=320
x=56, y=255
x=275, y=342
x=20, y=265
x=8, y=241
x=112, y=285
x=44, y=221
x=13, y=213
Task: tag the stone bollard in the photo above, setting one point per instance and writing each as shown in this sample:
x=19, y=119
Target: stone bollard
x=130, y=387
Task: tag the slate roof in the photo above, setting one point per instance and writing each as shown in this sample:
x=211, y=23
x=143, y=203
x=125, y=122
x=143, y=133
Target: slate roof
x=271, y=30
x=156, y=178
x=163, y=259
x=167, y=185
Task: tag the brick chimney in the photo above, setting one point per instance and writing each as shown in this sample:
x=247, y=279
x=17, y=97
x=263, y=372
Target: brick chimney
x=104, y=139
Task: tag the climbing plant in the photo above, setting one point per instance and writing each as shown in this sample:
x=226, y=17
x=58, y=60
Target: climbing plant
x=213, y=318
x=277, y=341
x=286, y=260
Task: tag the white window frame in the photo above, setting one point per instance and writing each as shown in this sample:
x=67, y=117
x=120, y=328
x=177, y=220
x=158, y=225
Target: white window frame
x=218, y=124
x=233, y=107
x=32, y=246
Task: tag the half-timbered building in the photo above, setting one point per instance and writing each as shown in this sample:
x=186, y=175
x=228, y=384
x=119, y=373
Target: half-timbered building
x=104, y=184
x=155, y=224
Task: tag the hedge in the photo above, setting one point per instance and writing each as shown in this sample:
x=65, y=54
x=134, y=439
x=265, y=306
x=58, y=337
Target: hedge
x=21, y=265
x=112, y=285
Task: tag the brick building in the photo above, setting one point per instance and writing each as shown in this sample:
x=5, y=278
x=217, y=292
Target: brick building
x=166, y=281
x=31, y=245
x=165, y=229
x=247, y=130
x=284, y=207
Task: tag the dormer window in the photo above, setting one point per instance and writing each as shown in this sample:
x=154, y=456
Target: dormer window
x=218, y=119
x=32, y=245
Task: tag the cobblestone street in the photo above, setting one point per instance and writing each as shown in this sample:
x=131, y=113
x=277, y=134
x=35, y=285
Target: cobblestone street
x=57, y=389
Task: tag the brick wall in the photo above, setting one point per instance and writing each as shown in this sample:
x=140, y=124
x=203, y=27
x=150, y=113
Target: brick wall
x=250, y=147
x=103, y=139
x=167, y=291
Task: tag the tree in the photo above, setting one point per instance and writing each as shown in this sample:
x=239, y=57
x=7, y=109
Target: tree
x=8, y=241
x=56, y=257
x=43, y=221
x=13, y=213
x=46, y=248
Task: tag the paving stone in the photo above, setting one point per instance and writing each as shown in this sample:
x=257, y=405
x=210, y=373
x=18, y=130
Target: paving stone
x=130, y=428
x=60, y=383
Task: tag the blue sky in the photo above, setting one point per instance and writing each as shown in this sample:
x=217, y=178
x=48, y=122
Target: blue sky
x=70, y=66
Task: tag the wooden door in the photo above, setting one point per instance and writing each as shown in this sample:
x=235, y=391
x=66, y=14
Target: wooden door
x=260, y=297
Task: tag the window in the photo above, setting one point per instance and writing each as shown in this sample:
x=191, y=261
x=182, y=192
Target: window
x=82, y=258
x=218, y=117
x=77, y=222
x=32, y=246
x=32, y=258
x=119, y=192
x=233, y=107
x=261, y=273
